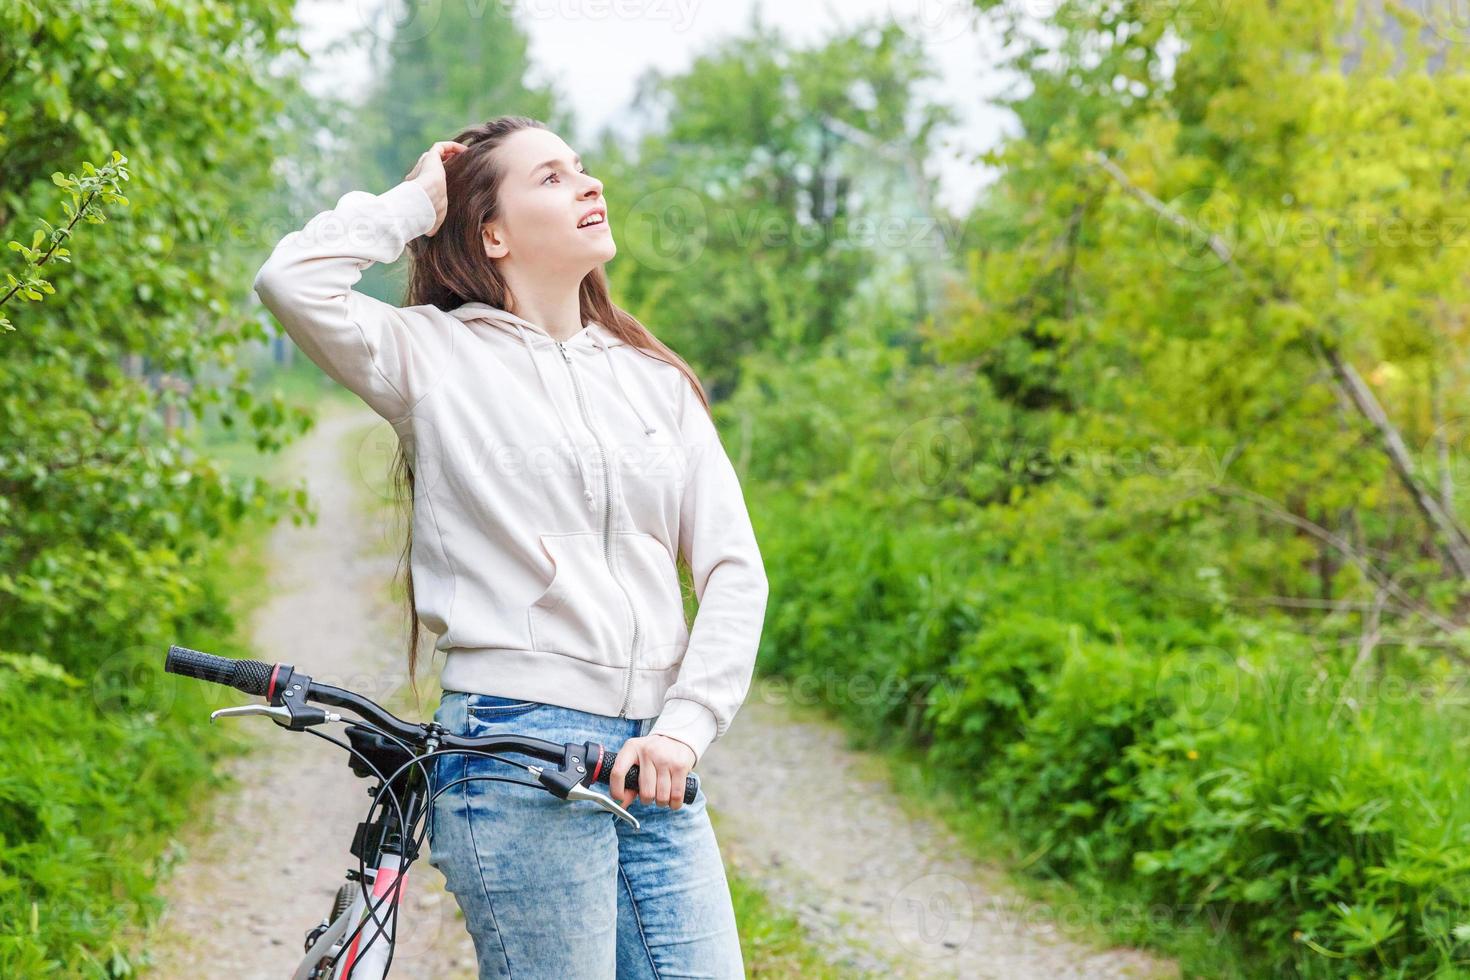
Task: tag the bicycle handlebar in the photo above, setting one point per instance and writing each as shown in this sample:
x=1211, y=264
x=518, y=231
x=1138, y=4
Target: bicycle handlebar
x=273, y=682
x=250, y=676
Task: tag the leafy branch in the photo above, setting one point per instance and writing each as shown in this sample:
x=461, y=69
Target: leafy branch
x=95, y=187
x=1438, y=516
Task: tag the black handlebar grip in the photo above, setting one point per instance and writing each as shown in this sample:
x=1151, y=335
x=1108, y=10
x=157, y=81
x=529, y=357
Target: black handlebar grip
x=250, y=676
x=630, y=781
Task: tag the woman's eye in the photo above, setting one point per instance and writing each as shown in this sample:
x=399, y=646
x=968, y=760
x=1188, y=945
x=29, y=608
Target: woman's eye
x=551, y=175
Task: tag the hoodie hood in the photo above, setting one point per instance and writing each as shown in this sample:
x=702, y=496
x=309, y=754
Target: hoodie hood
x=593, y=338
x=532, y=334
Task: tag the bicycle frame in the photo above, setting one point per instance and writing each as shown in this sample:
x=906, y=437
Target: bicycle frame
x=371, y=963
x=380, y=846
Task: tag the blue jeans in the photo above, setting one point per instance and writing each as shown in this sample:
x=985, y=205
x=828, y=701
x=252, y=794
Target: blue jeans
x=566, y=890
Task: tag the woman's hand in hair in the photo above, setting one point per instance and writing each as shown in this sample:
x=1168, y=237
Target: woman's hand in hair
x=429, y=173
x=663, y=763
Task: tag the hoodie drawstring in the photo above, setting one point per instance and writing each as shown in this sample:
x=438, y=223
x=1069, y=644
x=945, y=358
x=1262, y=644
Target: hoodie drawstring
x=586, y=486
x=648, y=430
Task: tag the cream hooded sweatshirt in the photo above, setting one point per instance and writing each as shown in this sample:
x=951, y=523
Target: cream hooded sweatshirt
x=555, y=482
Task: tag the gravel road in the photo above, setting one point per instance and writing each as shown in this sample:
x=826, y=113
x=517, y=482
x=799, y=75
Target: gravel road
x=331, y=615
x=887, y=893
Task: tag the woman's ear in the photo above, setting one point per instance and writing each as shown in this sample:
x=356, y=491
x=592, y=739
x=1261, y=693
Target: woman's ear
x=495, y=248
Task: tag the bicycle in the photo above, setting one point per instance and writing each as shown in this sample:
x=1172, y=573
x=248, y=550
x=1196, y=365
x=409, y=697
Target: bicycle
x=387, y=846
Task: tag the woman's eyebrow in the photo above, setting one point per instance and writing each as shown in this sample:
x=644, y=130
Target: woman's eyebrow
x=547, y=163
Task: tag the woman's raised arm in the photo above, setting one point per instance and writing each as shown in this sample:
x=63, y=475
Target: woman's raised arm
x=388, y=356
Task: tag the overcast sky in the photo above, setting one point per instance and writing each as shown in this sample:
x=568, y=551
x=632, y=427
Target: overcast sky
x=594, y=51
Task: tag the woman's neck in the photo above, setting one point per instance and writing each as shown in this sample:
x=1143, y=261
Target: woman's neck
x=557, y=311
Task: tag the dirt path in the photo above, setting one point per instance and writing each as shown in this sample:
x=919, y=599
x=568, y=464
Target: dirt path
x=330, y=614
x=887, y=894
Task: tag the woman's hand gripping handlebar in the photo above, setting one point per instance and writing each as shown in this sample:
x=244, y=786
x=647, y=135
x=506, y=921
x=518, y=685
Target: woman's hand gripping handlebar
x=580, y=766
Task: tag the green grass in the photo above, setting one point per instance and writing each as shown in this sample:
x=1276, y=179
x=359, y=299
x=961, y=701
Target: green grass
x=1089, y=916
x=1211, y=787
x=116, y=756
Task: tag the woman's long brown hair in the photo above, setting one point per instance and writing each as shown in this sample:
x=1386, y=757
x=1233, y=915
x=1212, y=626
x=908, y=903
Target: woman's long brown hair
x=449, y=269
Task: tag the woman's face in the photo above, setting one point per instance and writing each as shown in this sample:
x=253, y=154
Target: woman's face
x=544, y=194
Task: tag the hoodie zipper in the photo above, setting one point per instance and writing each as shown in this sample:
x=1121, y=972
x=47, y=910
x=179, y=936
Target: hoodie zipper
x=606, y=528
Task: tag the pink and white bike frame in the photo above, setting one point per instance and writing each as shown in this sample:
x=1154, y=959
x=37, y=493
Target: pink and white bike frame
x=367, y=962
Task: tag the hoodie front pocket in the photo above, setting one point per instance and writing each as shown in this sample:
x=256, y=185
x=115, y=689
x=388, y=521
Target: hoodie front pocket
x=653, y=579
x=582, y=612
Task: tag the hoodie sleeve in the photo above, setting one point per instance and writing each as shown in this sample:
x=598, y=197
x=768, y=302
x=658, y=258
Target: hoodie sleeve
x=387, y=356
x=716, y=538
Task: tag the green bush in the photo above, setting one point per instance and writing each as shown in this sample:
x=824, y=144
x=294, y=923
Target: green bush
x=1205, y=766
x=101, y=766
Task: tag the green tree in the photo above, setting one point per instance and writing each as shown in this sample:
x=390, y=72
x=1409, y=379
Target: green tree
x=446, y=68
x=108, y=513
x=1200, y=268
x=752, y=214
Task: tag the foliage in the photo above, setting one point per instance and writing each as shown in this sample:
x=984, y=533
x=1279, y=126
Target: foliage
x=102, y=764
x=110, y=516
x=1148, y=537
x=747, y=218
x=1192, y=269
x=86, y=191
x=1302, y=806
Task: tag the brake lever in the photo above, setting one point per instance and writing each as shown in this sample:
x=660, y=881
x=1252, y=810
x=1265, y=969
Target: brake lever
x=580, y=792
x=569, y=787
x=296, y=719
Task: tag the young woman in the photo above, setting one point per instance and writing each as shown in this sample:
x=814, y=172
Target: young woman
x=560, y=460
